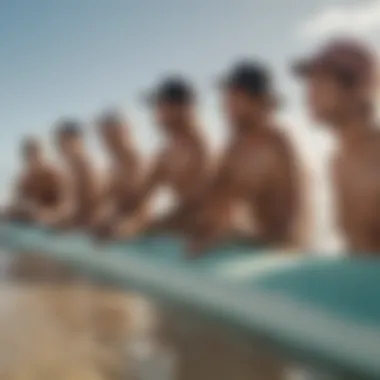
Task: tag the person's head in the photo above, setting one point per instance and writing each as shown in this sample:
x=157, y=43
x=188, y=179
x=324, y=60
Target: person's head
x=174, y=103
x=340, y=80
x=113, y=130
x=247, y=93
x=32, y=152
x=70, y=138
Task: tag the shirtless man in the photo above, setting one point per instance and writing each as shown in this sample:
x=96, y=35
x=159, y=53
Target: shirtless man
x=38, y=193
x=83, y=184
x=341, y=82
x=182, y=165
x=259, y=167
x=117, y=206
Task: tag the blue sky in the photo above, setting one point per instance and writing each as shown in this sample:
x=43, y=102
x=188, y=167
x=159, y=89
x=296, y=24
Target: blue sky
x=75, y=57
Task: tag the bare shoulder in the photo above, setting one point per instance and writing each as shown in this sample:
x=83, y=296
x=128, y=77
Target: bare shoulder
x=278, y=146
x=52, y=173
x=280, y=139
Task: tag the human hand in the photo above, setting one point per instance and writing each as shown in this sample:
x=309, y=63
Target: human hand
x=123, y=230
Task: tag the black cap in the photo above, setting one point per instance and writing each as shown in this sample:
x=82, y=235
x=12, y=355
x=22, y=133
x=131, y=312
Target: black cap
x=252, y=77
x=69, y=127
x=174, y=90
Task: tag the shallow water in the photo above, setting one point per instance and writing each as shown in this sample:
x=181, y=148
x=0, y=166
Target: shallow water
x=66, y=330
x=56, y=325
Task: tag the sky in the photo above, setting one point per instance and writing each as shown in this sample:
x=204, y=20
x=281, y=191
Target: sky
x=77, y=57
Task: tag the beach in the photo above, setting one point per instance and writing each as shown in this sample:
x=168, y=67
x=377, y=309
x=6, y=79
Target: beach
x=63, y=329
x=56, y=324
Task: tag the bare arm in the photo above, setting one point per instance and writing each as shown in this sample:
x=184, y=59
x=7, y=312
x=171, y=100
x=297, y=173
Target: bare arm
x=106, y=206
x=304, y=222
x=138, y=218
x=196, y=182
x=280, y=194
x=359, y=218
x=154, y=179
x=349, y=223
x=66, y=204
x=214, y=215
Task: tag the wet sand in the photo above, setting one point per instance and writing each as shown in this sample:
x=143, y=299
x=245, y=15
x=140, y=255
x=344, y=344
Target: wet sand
x=63, y=332
x=56, y=325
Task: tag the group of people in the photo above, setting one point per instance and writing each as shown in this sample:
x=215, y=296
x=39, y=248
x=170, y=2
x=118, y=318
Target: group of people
x=259, y=167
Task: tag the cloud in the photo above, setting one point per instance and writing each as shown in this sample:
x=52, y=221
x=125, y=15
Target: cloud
x=358, y=20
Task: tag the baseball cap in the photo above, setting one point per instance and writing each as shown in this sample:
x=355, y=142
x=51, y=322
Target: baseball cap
x=252, y=77
x=175, y=90
x=109, y=117
x=347, y=57
x=69, y=127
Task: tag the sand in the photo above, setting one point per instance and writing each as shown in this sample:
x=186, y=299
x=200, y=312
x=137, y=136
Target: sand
x=63, y=332
x=55, y=325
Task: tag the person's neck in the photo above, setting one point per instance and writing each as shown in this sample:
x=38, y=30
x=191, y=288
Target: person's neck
x=252, y=126
x=187, y=132
x=77, y=158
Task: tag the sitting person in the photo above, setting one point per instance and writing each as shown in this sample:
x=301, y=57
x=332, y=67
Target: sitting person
x=38, y=194
x=341, y=81
x=182, y=165
x=260, y=169
x=83, y=182
x=117, y=206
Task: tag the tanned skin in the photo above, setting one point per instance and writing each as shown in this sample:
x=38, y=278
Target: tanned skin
x=355, y=169
x=259, y=168
x=118, y=212
x=182, y=166
x=83, y=182
x=38, y=192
